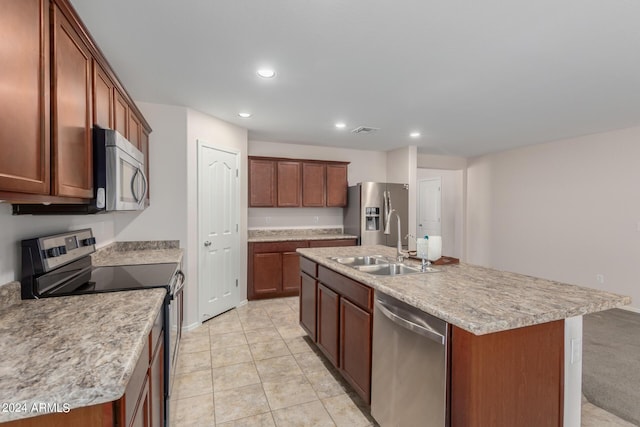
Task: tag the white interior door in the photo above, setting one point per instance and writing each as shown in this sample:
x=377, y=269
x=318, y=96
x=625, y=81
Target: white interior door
x=219, y=238
x=429, y=207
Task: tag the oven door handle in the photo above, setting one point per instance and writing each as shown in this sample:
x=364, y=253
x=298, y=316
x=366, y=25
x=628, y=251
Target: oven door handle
x=180, y=283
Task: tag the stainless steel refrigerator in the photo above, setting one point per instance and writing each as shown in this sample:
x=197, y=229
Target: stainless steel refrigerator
x=369, y=204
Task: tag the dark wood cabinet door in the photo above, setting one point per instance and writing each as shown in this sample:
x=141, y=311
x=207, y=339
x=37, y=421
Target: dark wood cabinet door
x=71, y=103
x=313, y=185
x=156, y=387
x=267, y=273
x=291, y=272
x=102, y=97
x=308, y=307
x=331, y=243
x=120, y=114
x=134, y=129
x=355, y=347
x=328, y=318
x=24, y=109
x=262, y=183
x=288, y=184
x=337, y=185
x=509, y=378
x=142, y=415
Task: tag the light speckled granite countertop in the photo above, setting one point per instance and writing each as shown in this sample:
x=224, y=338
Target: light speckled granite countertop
x=128, y=253
x=288, y=235
x=478, y=299
x=79, y=350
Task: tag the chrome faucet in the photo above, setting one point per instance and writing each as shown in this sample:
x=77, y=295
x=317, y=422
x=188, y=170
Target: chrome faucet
x=400, y=255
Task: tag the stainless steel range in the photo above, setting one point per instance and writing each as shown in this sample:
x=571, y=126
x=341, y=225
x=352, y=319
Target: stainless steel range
x=60, y=265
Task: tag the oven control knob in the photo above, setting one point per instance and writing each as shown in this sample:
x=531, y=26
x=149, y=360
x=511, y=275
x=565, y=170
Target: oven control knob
x=88, y=241
x=53, y=252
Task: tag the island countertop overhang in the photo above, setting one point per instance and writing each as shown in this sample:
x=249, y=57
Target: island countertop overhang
x=477, y=299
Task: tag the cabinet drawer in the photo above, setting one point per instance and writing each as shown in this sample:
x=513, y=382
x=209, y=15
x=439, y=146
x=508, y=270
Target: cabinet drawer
x=357, y=293
x=260, y=247
x=309, y=267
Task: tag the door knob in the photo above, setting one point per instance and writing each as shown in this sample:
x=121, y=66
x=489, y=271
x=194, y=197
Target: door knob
x=207, y=243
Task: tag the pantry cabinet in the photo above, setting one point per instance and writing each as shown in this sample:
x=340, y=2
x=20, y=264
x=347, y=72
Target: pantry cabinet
x=279, y=182
x=56, y=86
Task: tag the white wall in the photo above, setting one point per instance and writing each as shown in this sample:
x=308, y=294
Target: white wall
x=13, y=229
x=567, y=210
x=364, y=166
x=166, y=217
x=452, y=208
x=224, y=135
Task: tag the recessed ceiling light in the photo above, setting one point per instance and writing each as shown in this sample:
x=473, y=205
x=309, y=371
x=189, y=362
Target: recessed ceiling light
x=341, y=125
x=266, y=73
x=414, y=134
x=244, y=115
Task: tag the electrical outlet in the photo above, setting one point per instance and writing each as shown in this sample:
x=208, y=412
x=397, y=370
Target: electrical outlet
x=600, y=278
x=316, y=219
x=267, y=219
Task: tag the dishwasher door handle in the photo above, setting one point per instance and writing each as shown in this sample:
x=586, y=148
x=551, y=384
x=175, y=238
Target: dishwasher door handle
x=423, y=330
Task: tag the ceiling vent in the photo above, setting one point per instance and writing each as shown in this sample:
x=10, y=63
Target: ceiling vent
x=365, y=129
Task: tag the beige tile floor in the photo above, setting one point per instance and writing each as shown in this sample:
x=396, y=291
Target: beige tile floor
x=254, y=366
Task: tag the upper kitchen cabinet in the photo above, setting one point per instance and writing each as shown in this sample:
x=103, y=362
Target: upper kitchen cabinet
x=71, y=102
x=262, y=182
x=102, y=97
x=277, y=182
x=337, y=185
x=24, y=110
x=288, y=185
x=313, y=184
x=121, y=113
x=56, y=85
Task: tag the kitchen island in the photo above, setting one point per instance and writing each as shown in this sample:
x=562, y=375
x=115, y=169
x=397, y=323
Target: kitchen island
x=514, y=340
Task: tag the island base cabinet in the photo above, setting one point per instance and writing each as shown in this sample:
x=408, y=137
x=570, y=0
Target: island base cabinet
x=328, y=309
x=355, y=347
x=308, y=306
x=510, y=378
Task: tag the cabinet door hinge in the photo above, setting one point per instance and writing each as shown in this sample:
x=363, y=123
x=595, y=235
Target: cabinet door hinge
x=236, y=173
x=236, y=283
x=236, y=228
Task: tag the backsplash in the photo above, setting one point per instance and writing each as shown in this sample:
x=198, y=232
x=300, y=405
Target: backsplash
x=296, y=231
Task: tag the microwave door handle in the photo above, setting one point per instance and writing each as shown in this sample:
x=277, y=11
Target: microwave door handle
x=133, y=185
x=145, y=181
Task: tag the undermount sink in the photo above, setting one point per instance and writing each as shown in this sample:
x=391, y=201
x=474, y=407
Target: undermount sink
x=379, y=265
x=354, y=261
x=389, y=269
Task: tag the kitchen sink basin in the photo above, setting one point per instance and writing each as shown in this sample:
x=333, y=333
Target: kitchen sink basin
x=389, y=269
x=361, y=260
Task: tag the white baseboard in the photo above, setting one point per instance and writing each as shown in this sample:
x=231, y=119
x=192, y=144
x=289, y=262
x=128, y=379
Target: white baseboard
x=191, y=326
x=629, y=308
x=241, y=303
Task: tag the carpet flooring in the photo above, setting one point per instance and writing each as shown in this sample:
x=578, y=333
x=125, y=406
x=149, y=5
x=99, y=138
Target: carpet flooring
x=611, y=362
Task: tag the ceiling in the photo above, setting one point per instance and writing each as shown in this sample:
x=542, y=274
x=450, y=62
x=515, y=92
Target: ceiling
x=471, y=76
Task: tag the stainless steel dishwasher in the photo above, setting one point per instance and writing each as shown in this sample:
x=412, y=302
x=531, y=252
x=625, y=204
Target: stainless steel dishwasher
x=409, y=383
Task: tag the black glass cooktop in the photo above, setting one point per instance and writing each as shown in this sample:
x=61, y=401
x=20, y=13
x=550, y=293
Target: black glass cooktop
x=117, y=278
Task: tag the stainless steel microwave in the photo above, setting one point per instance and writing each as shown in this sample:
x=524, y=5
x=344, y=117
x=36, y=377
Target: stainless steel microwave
x=119, y=180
